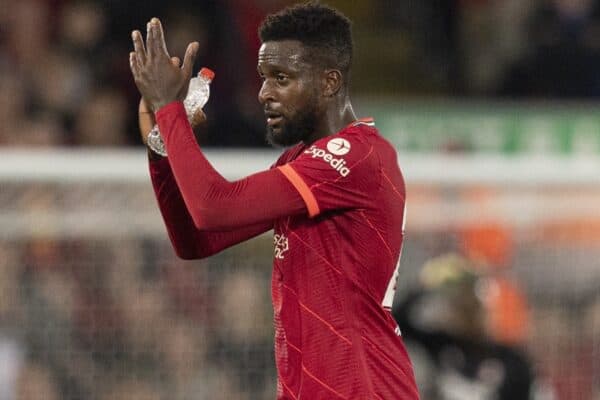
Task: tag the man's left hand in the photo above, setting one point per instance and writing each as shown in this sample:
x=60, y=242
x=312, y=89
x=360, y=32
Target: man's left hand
x=159, y=80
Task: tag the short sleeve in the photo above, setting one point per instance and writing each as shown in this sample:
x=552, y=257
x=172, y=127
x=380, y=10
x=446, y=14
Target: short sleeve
x=337, y=172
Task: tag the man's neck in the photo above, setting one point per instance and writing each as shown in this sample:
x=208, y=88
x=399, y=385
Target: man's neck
x=334, y=120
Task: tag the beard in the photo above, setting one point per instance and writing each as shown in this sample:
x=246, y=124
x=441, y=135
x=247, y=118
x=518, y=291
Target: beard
x=295, y=130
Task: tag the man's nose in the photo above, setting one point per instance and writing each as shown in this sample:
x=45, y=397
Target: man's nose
x=265, y=94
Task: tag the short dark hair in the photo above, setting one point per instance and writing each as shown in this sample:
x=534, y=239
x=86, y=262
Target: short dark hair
x=324, y=30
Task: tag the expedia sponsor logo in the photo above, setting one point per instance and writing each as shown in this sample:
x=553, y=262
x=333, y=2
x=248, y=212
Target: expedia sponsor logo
x=339, y=164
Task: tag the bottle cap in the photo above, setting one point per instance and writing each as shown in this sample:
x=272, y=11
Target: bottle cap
x=207, y=73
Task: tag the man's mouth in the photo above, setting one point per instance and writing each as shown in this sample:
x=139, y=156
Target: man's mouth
x=273, y=118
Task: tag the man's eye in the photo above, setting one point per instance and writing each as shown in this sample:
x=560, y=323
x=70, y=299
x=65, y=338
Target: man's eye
x=281, y=78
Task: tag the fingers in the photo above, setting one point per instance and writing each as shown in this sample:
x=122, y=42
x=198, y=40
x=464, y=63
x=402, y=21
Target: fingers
x=198, y=119
x=138, y=46
x=155, y=39
x=176, y=61
x=160, y=35
x=134, y=64
x=190, y=58
x=149, y=40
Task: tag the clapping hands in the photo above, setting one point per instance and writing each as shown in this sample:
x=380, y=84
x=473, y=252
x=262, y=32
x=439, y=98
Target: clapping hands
x=159, y=78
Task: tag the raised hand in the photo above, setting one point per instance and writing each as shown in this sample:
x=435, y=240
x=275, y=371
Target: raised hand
x=159, y=80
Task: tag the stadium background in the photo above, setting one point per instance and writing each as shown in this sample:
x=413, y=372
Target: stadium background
x=493, y=106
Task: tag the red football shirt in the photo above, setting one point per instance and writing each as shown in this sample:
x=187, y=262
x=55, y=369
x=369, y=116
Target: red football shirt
x=337, y=209
x=334, y=268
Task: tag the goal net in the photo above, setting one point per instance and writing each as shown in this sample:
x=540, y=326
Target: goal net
x=95, y=305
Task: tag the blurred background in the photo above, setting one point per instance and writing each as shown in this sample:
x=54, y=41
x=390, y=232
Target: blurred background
x=493, y=106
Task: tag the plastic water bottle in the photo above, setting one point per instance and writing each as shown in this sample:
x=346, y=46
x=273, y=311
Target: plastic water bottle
x=197, y=96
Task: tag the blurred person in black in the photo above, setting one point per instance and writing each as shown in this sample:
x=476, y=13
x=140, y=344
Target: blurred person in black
x=564, y=59
x=444, y=325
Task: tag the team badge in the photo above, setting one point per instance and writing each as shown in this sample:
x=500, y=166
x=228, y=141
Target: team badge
x=338, y=146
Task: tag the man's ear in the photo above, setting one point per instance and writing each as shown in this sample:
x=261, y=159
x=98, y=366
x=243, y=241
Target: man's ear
x=332, y=82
